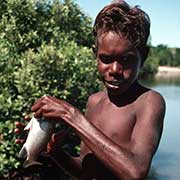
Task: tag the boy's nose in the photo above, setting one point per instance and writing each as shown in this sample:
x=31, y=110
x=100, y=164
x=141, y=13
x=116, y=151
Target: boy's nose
x=116, y=68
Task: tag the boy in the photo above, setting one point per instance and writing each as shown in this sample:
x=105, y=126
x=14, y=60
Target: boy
x=122, y=127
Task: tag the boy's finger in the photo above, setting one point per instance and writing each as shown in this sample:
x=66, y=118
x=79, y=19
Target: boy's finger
x=19, y=124
x=60, y=135
x=17, y=131
x=27, y=118
x=19, y=141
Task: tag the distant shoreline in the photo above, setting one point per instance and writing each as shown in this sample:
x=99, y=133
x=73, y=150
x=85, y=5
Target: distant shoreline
x=168, y=71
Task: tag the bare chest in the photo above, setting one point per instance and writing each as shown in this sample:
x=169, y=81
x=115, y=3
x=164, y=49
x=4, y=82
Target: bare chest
x=116, y=123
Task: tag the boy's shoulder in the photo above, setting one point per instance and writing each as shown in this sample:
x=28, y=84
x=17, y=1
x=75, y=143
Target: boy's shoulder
x=147, y=94
x=152, y=95
x=151, y=100
x=96, y=98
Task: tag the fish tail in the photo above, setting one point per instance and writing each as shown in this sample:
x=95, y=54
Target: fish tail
x=31, y=164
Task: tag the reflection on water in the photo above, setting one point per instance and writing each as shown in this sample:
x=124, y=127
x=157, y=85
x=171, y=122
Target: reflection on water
x=166, y=163
x=163, y=80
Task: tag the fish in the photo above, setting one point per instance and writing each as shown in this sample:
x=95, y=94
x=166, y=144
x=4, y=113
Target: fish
x=40, y=132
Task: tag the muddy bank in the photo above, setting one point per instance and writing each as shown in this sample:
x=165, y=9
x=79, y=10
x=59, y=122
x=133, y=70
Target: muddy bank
x=166, y=71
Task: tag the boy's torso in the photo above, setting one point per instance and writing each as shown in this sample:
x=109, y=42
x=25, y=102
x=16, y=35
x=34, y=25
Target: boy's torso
x=116, y=122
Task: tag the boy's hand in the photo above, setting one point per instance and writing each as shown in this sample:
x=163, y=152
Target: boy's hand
x=19, y=130
x=56, y=110
x=54, y=144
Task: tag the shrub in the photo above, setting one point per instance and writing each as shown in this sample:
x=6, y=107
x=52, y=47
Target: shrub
x=44, y=49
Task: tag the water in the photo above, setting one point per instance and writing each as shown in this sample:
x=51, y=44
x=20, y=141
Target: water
x=166, y=162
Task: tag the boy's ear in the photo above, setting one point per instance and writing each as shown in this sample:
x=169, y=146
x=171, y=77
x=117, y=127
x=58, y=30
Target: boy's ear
x=94, y=48
x=144, y=53
x=147, y=48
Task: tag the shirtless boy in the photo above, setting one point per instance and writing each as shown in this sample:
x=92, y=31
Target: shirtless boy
x=122, y=126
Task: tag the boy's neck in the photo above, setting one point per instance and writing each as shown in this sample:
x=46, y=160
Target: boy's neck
x=134, y=91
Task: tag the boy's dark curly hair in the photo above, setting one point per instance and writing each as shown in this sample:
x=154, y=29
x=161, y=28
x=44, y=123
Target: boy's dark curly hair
x=130, y=22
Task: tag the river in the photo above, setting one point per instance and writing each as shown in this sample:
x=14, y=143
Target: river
x=166, y=162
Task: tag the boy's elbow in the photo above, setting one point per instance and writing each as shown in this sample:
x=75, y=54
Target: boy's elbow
x=135, y=173
x=139, y=173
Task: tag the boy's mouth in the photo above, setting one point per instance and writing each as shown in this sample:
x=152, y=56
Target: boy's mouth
x=114, y=83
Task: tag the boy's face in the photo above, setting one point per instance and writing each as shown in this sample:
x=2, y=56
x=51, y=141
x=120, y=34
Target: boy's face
x=119, y=62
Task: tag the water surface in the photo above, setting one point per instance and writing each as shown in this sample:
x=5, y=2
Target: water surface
x=166, y=163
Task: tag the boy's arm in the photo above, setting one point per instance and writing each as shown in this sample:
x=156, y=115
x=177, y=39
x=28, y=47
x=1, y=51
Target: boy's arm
x=70, y=165
x=132, y=162
x=126, y=163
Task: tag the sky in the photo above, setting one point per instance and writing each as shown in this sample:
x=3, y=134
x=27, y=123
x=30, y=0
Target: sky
x=164, y=15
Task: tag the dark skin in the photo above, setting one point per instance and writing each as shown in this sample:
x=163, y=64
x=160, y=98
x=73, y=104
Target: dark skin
x=122, y=127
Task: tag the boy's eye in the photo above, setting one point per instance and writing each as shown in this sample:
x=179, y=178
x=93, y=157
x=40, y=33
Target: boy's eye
x=123, y=59
x=105, y=59
x=127, y=58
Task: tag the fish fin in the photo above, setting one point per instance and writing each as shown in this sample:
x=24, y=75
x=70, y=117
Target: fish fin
x=29, y=125
x=23, y=153
x=31, y=164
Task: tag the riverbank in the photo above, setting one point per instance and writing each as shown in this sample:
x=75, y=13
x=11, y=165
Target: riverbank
x=167, y=71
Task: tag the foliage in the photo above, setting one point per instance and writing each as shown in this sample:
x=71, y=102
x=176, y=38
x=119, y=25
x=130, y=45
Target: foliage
x=176, y=61
x=26, y=24
x=44, y=49
x=150, y=65
x=167, y=56
x=160, y=56
x=66, y=72
x=164, y=55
